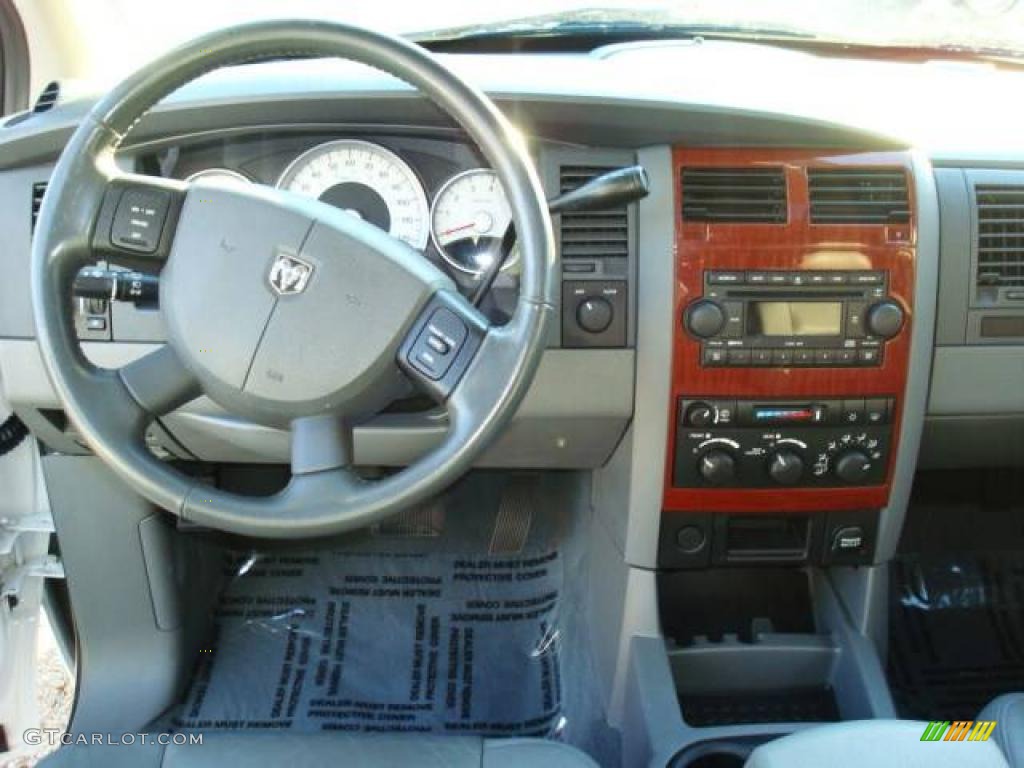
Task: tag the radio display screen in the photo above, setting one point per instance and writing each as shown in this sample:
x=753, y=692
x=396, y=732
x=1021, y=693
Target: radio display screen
x=794, y=318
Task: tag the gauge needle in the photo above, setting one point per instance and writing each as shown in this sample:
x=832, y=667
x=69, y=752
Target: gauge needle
x=453, y=230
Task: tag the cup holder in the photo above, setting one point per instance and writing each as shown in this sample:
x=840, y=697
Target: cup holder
x=716, y=753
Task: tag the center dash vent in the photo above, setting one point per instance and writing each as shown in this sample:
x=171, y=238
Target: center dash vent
x=858, y=196
x=38, y=190
x=591, y=234
x=1000, y=234
x=734, y=195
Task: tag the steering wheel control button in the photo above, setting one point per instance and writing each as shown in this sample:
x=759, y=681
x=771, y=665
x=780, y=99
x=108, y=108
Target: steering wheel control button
x=139, y=219
x=438, y=344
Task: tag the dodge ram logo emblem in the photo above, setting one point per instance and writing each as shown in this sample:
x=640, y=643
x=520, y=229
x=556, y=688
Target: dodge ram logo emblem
x=289, y=275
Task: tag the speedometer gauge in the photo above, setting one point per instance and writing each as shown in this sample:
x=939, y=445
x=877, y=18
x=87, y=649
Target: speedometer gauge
x=366, y=180
x=469, y=219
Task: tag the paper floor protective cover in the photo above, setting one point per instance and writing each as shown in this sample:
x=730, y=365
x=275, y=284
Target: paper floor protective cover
x=392, y=634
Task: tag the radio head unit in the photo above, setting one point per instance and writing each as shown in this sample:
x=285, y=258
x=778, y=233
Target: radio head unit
x=794, y=318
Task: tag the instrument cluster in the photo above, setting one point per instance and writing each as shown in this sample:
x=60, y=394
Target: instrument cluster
x=463, y=220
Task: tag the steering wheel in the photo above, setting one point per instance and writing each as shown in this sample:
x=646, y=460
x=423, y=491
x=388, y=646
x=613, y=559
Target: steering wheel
x=283, y=310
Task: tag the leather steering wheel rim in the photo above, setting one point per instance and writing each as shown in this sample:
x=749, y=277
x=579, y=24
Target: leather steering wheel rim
x=112, y=408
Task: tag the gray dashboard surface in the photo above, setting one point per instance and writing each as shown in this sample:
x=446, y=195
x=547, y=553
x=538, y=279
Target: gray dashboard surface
x=632, y=96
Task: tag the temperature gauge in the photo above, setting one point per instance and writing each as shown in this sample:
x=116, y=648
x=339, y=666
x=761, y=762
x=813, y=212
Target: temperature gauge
x=468, y=220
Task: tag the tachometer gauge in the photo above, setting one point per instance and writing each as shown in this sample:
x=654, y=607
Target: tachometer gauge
x=366, y=180
x=222, y=175
x=469, y=218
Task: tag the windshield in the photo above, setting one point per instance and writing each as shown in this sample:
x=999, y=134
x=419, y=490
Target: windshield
x=122, y=34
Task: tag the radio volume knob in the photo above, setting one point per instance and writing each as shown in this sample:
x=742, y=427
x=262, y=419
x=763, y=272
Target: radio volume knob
x=786, y=467
x=700, y=415
x=705, y=318
x=885, y=319
x=717, y=467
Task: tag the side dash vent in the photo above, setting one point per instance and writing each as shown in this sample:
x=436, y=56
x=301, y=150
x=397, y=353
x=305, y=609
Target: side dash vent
x=591, y=234
x=1000, y=235
x=858, y=196
x=38, y=190
x=734, y=195
x=48, y=98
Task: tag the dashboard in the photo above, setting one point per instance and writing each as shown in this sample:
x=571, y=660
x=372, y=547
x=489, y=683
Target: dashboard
x=753, y=347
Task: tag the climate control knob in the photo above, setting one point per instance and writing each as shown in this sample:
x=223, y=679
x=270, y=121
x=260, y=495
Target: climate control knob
x=594, y=314
x=885, y=319
x=852, y=466
x=717, y=467
x=786, y=466
x=705, y=318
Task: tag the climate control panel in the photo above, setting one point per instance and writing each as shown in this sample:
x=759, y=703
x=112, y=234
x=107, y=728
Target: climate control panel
x=779, y=444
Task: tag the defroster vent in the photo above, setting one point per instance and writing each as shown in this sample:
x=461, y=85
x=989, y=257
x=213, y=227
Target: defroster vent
x=1000, y=235
x=858, y=196
x=591, y=234
x=734, y=195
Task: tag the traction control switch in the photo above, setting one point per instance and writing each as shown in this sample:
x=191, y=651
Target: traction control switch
x=438, y=344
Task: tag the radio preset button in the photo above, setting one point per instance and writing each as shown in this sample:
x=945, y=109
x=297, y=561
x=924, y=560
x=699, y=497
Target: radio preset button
x=803, y=357
x=739, y=357
x=758, y=278
x=714, y=356
x=760, y=357
x=837, y=278
x=782, y=357
x=869, y=356
x=725, y=278
x=825, y=356
x=846, y=356
x=778, y=278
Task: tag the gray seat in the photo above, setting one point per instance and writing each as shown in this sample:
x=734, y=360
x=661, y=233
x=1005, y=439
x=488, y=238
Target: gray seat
x=1008, y=712
x=295, y=750
x=875, y=743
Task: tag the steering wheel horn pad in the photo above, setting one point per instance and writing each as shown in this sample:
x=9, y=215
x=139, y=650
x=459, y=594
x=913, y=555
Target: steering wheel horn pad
x=284, y=307
x=284, y=310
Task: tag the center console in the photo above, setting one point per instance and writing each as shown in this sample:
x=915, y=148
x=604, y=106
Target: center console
x=794, y=281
